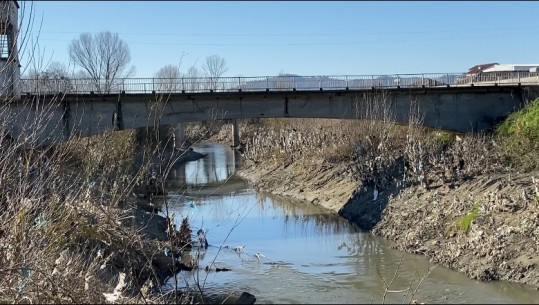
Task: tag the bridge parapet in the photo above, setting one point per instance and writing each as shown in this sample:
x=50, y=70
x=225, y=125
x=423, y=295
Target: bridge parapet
x=273, y=83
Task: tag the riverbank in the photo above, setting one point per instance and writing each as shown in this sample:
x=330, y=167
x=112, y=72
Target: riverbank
x=484, y=223
x=499, y=242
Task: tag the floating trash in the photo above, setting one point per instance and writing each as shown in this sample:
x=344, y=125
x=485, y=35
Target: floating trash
x=202, y=240
x=258, y=255
x=239, y=249
x=193, y=207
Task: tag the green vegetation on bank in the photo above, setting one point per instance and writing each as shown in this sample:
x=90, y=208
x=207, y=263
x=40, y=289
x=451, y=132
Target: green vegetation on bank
x=519, y=135
x=465, y=222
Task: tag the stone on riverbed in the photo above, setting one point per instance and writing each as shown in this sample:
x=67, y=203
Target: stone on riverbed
x=246, y=298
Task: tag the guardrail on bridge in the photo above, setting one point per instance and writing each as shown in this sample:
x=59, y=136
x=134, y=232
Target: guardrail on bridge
x=270, y=83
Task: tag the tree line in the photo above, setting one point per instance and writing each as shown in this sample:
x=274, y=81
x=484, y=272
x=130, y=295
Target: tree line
x=102, y=59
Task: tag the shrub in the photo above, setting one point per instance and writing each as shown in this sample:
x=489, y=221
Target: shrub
x=519, y=135
x=465, y=222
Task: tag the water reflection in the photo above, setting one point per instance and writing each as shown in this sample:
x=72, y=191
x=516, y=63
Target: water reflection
x=216, y=166
x=309, y=255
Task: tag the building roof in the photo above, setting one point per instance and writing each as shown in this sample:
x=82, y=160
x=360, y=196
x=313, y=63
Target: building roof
x=478, y=68
x=511, y=67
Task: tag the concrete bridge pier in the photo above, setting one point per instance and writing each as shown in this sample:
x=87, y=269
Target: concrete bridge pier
x=235, y=133
x=178, y=137
x=163, y=136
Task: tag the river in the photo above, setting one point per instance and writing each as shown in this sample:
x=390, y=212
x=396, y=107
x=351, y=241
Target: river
x=305, y=253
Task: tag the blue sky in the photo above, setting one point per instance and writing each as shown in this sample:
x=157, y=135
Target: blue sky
x=304, y=37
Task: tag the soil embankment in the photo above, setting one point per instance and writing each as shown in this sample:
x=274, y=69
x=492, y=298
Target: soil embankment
x=486, y=227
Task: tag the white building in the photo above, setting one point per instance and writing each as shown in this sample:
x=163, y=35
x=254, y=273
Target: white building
x=532, y=68
x=9, y=57
x=495, y=73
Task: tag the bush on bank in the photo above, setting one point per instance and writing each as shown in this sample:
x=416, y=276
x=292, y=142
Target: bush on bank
x=519, y=135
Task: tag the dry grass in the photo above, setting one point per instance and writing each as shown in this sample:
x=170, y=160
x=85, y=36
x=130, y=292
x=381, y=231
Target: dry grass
x=372, y=144
x=67, y=229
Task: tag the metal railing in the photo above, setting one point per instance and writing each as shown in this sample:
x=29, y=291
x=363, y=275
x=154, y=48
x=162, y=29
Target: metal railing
x=272, y=83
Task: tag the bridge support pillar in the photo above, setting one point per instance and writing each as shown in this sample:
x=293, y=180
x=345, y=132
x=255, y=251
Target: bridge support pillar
x=163, y=136
x=178, y=137
x=235, y=133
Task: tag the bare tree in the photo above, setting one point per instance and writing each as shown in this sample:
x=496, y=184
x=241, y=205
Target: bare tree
x=54, y=79
x=169, y=71
x=191, y=79
x=169, y=78
x=103, y=56
x=214, y=67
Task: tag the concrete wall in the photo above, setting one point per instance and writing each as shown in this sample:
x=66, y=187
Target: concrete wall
x=9, y=67
x=471, y=109
x=36, y=122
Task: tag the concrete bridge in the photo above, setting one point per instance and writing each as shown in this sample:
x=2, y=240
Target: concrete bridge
x=55, y=109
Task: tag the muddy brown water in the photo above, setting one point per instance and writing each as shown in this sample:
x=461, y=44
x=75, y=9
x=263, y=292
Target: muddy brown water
x=305, y=253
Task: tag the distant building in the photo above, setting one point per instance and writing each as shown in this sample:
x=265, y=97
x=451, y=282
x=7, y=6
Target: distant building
x=480, y=68
x=532, y=68
x=9, y=57
x=495, y=73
